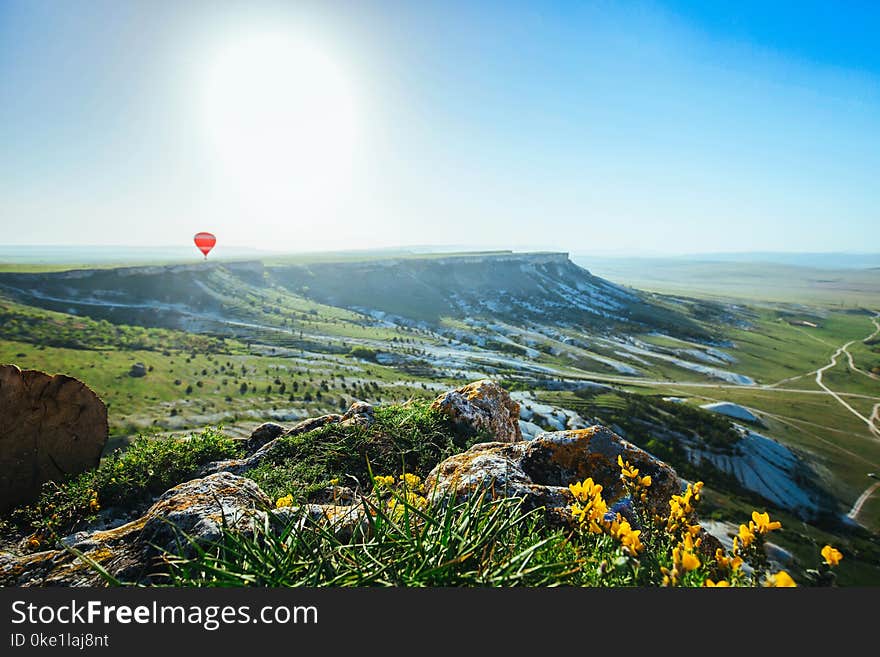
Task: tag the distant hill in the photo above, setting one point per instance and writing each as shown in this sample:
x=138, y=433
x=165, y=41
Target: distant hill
x=540, y=288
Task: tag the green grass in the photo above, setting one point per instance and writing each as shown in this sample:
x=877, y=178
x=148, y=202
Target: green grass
x=405, y=541
x=411, y=438
x=183, y=390
x=146, y=469
x=773, y=350
x=473, y=543
x=40, y=327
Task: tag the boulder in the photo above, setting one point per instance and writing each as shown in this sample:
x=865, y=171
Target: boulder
x=312, y=423
x=482, y=407
x=51, y=428
x=138, y=370
x=192, y=513
x=540, y=470
x=343, y=520
x=360, y=413
x=263, y=434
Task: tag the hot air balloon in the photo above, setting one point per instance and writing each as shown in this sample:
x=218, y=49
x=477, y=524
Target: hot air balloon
x=205, y=242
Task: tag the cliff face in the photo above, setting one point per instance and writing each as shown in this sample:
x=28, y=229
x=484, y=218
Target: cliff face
x=533, y=288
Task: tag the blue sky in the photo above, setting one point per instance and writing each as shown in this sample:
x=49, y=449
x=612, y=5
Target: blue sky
x=600, y=127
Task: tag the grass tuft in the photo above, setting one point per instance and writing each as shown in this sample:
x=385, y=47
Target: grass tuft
x=411, y=437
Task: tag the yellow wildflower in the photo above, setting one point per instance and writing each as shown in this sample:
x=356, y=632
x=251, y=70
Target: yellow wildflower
x=727, y=563
x=780, y=580
x=334, y=481
x=94, y=507
x=628, y=537
x=683, y=554
x=281, y=502
x=746, y=535
x=589, y=508
x=681, y=507
x=411, y=481
x=626, y=470
x=33, y=542
x=384, y=482
x=761, y=523
x=721, y=583
x=689, y=561
x=831, y=555
x=398, y=506
x=584, y=491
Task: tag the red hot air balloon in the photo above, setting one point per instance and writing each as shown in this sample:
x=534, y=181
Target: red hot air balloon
x=205, y=242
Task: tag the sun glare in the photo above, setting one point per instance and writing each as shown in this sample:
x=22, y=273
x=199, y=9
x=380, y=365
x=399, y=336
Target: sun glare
x=279, y=114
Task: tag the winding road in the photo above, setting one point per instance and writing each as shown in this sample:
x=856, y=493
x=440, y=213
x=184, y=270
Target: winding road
x=857, y=507
x=832, y=364
x=873, y=421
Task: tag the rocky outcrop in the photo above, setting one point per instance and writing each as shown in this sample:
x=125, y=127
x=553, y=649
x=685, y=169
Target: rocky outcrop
x=138, y=370
x=482, y=408
x=193, y=511
x=196, y=512
x=51, y=427
x=359, y=413
x=191, y=514
x=341, y=519
x=266, y=432
x=540, y=470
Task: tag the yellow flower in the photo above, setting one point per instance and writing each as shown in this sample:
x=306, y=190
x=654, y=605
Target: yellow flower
x=33, y=542
x=411, y=481
x=626, y=470
x=762, y=524
x=746, y=535
x=645, y=482
x=384, y=482
x=728, y=563
x=831, y=555
x=681, y=507
x=683, y=556
x=628, y=537
x=584, y=491
x=334, y=481
x=589, y=508
x=689, y=561
x=780, y=580
x=93, y=503
x=690, y=544
x=721, y=583
x=281, y=502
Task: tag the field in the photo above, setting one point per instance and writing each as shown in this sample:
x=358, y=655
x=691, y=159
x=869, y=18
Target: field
x=749, y=281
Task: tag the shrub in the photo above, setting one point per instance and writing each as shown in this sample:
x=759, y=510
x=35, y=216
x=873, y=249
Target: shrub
x=363, y=353
x=147, y=468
